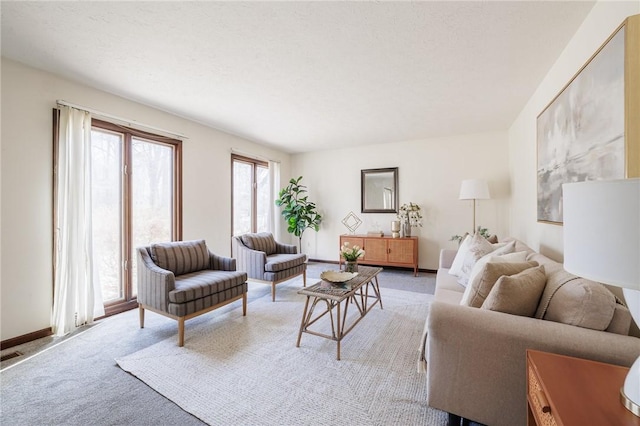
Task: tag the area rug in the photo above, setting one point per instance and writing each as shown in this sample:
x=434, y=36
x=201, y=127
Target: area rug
x=247, y=370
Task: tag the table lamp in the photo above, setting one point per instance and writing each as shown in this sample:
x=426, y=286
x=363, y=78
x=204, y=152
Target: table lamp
x=602, y=243
x=474, y=189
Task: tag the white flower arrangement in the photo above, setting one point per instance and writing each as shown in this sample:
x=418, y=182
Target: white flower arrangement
x=351, y=253
x=411, y=213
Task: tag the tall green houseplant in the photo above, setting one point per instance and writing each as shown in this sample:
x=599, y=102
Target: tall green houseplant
x=298, y=211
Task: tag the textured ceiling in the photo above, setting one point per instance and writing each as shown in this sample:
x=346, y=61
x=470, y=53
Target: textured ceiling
x=304, y=76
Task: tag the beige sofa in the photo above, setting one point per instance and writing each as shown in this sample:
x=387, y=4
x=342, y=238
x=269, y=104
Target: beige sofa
x=475, y=358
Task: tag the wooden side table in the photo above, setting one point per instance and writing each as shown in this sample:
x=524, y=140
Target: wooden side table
x=567, y=391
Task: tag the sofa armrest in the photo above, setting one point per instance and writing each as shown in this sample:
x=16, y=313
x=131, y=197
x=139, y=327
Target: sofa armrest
x=154, y=283
x=476, y=359
x=446, y=258
x=221, y=263
x=286, y=248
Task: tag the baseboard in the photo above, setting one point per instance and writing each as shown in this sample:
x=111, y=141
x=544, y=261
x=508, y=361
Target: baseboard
x=428, y=271
x=25, y=338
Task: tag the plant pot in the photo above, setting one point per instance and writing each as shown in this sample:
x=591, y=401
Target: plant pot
x=351, y=266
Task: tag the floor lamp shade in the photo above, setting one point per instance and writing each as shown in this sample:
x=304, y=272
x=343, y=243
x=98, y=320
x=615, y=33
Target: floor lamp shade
x=602, y=243
x=474, y=189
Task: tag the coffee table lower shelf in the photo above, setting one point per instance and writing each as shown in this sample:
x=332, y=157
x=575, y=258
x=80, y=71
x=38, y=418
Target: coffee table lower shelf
x=363, y=291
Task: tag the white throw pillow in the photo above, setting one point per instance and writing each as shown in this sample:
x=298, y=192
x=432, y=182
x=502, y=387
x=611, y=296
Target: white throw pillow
x=456, y=265
x=478, y=248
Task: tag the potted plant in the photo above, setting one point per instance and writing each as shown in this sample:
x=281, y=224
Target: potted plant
x=298, y=211
x=482, y=231
x=351, y=256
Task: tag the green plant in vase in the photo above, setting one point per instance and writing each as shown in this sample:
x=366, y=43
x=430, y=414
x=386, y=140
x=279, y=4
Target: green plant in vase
x=299, y=213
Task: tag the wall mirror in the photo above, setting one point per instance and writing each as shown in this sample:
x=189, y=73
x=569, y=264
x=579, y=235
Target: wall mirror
x=379, y=190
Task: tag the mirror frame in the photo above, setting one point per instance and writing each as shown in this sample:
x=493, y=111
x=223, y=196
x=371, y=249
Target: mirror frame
x=364, y=174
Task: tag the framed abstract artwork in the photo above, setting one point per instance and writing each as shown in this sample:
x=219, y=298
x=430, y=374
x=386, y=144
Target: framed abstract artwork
x=591, y=129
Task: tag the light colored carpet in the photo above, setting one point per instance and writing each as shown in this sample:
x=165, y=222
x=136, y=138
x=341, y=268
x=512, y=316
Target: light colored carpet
x=246, y=370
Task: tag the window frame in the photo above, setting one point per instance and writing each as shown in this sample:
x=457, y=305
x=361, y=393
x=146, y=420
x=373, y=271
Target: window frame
x=254, y=163
x=129, y=301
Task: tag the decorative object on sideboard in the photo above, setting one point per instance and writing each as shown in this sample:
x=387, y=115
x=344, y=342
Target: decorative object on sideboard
x=395, y=228
x=474, y=189
x=610, y=255
x=352, y=222
x=590, y=130
x=299, y=213
x=379, y=190
x=410, y=215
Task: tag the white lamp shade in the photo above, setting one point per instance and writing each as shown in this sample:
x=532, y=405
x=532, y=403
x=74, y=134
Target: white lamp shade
x=602, y=231
x=474, y=189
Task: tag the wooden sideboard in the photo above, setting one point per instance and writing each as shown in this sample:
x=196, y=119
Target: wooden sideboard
x=385, y=251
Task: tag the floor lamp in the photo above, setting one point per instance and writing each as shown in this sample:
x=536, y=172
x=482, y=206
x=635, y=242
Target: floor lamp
x=474, y=189
x=602, y=243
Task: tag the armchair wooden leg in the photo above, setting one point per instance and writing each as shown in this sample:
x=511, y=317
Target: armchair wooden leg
x=181, y=331
x=273, y=292
x=244, y=304
x=304, y=278
x=141, y=312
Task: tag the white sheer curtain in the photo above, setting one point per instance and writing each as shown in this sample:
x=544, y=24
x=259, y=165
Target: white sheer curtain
x=274, y=211
x=76, y=301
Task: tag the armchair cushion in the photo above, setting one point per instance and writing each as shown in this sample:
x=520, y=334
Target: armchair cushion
x=262, y=241
x=282, y=262
x=181, y=257
x=197, y=285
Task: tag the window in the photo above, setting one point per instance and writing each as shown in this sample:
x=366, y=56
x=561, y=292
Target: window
x=251, y=195
x=136, y=199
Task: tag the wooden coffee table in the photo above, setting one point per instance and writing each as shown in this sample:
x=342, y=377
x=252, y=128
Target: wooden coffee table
x=362, y=291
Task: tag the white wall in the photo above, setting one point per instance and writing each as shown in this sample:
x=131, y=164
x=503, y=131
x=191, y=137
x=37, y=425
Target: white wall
x=28, y=96
x=604, y=18
x=430, y=173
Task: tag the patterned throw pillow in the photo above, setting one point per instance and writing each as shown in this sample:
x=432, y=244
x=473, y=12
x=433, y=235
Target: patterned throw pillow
x=478, y=248
x=181, y=257
x=262, y=241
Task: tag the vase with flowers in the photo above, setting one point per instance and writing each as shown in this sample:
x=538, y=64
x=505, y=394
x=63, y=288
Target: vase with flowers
x=410, y=215
x=351, y=254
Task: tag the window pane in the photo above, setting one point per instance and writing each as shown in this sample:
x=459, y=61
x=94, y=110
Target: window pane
x=241, y=198
x=151, y=195
x=262, y=197
x=106, y=192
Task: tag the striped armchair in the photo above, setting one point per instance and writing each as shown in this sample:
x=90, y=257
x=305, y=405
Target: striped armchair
x=183, y=279
x=268, y=261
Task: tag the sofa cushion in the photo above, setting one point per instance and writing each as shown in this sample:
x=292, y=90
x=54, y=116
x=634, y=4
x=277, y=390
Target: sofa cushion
x=282, y=262
x=503, y=253
x=517, y=294
x=456, y=266
x=483, y=283
x=181, y=257
x=474, y=250
x=582, y=303
x=197, y=285
x=621, y=321
x=262, y=241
